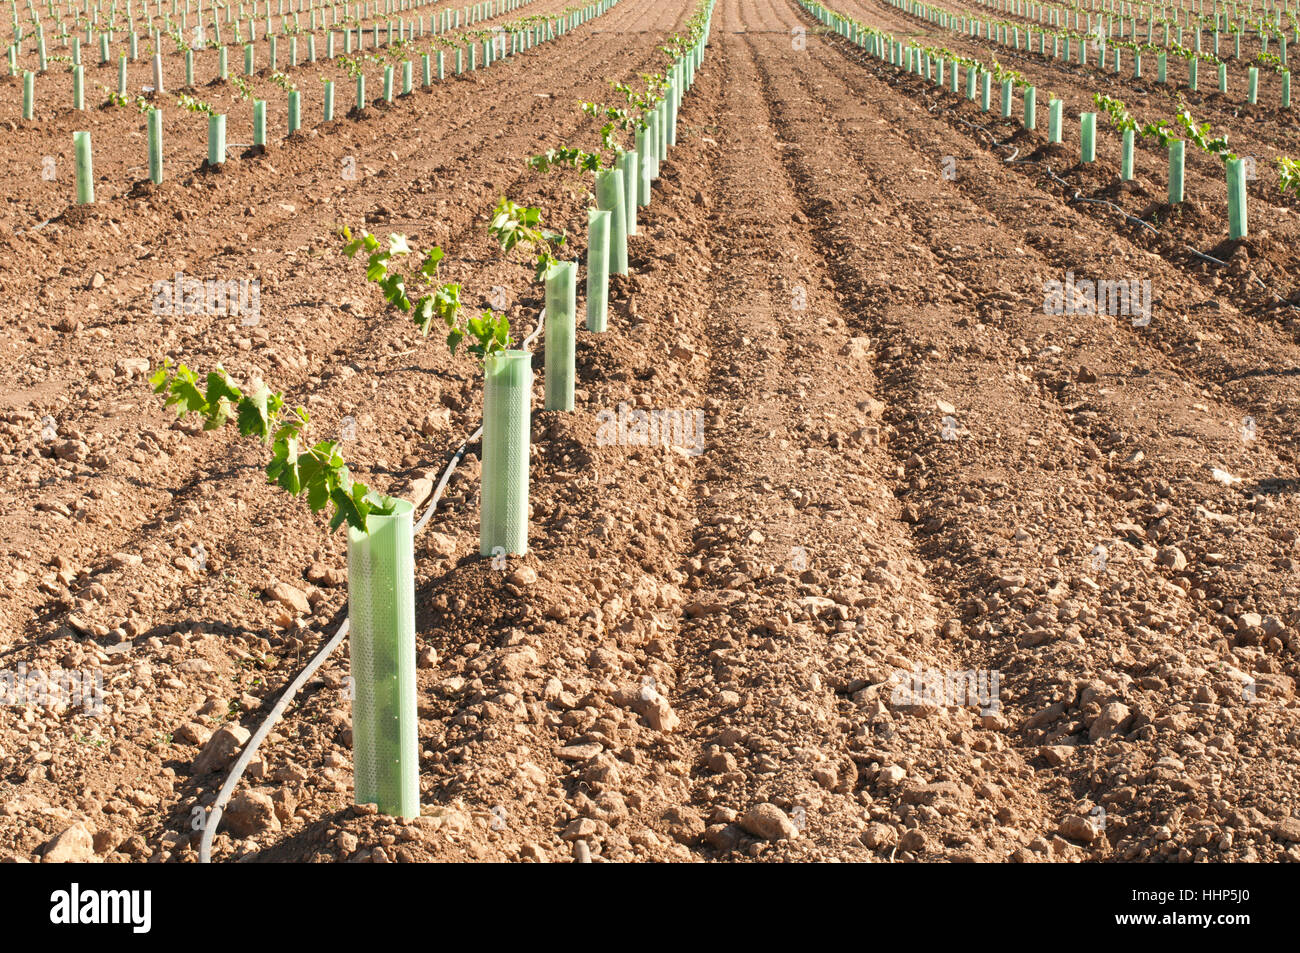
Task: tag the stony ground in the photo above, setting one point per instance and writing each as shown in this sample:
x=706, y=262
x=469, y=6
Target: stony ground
x=910, y=472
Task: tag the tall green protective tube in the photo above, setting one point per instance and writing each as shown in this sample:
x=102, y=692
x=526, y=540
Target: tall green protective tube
x=1126, y=157
x=627, y=164
x=507, y=410
x=1087, y=137
x=407, y=67
x=1054, y=109
x=29, y=94
x=381, y=611
x=561, y=332
x=1252, y=85
x=155, y=146
x=609, y=196
x=662, y=127
x=121, y=76
x=671, y=109
x=85, y=168
x=259, y=122
x=295, y=111
x=598, y=223
x=1031, y=110
x=361, y=92
x=1177, y=150
x=248, y=59
x=1006, y=99
x=388, y=84
x=216, y=140
x=643, y=186
x=986, y=91
x=329, y=100
x=1236, y=171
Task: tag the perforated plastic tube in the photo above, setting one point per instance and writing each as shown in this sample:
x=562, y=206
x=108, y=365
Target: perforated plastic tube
x=381, y=608
x=1236, y=172
x=628, y=164
x=216, y=140
x=598, y=221
x=155, y=146
x=643, y=173
x=84, y=167
x=609, y=196
x=561, y=331
x=507, y=404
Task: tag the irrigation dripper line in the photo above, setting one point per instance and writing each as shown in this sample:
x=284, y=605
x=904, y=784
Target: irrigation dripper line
x=213, y=820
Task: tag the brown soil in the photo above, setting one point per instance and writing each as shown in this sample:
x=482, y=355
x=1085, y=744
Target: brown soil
x=809, y=279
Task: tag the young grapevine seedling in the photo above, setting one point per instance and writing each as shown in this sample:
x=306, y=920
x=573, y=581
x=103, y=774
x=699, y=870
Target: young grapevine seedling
x=513, y=225
x=317, y=471
x=488, y=332
x=1288, y=175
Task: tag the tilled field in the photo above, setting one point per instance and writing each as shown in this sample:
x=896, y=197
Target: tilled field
x=910, y=471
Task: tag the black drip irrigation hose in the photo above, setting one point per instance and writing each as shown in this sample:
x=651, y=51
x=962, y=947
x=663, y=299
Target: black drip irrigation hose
x=213, y=819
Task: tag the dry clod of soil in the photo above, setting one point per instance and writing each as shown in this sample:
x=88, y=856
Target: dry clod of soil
x=221, y=749
x=251, y=812
x=769, y=822
x=71, y=846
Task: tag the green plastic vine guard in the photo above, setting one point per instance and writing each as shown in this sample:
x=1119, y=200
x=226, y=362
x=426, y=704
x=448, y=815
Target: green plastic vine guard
x=628, y=165
x=674, y=85
x=507, y=410
x=1223, y=77
x=598, y=226
x=970, y=83
x=610, y=193
x=248, y=59
x=1192, y=74
x=954, y=76
x=155, y=146
x=329, y=100
x=1088, y=137
x=1054, y=110
x=259, y=122
x=216, y=140
x=361, y=92
x=29, y=94
x=561, y=333
x=1162, y=67
x=1006, y=99
x=381, y=643
x=643, y=172
x=1031, y=108
x=1252, y=85
x=1236, y=174
x=1137, y=64
x=295, y=111
x=1177, y=152
x=388, y=84
x=426, y=70
x=1286, y=89
x=85, y=168
x=78, y=87
x=1126, y=156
